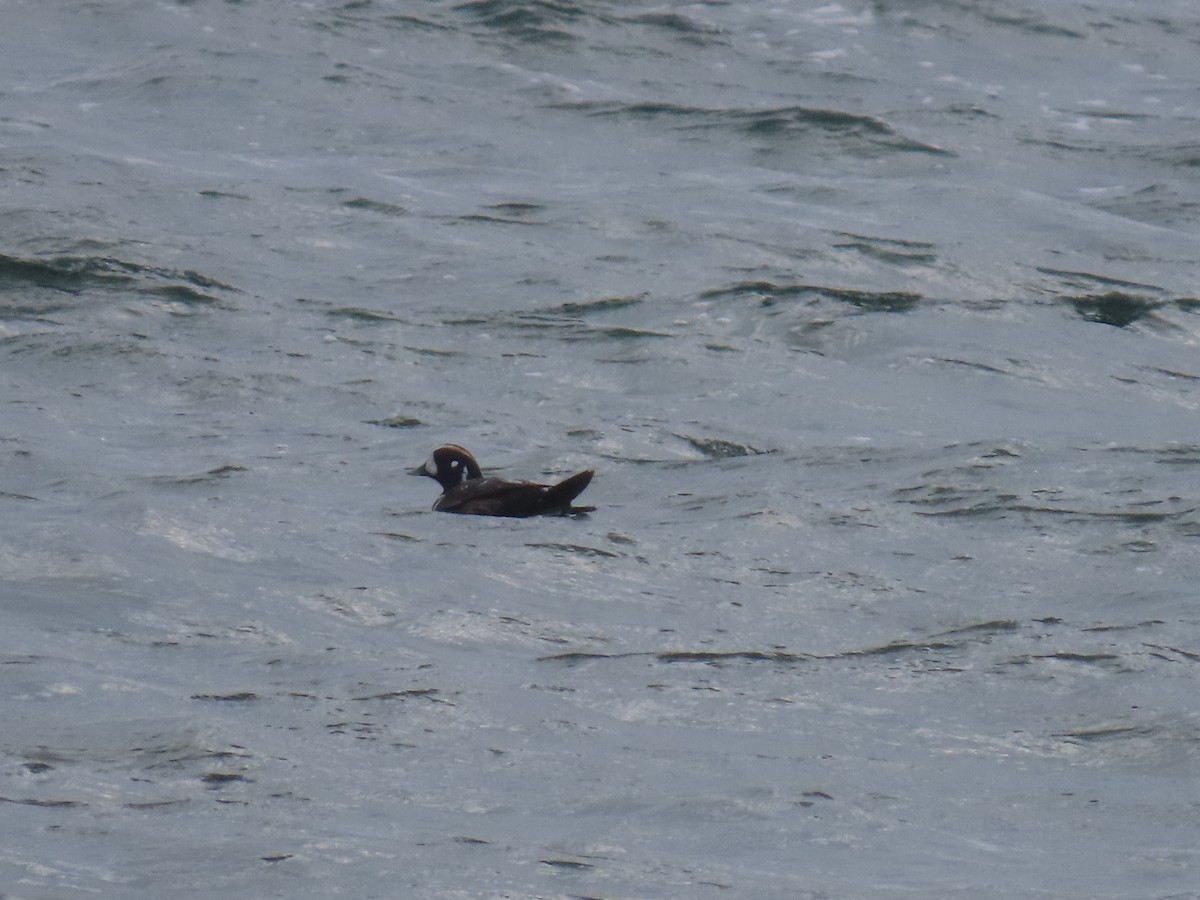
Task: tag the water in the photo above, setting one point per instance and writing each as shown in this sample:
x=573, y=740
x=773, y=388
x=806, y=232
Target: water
x=877, y=322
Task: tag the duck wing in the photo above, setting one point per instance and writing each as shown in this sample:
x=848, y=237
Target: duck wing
x=516, y=499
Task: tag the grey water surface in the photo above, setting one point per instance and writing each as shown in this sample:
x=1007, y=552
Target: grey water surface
x=878, y=321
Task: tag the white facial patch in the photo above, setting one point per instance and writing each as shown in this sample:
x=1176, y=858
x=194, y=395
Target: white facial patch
x=430, y=467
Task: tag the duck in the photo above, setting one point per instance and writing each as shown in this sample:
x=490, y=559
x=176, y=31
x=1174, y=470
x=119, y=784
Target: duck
x=466, y=490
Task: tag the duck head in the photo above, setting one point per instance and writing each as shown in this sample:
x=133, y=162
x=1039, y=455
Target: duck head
x=449, y=465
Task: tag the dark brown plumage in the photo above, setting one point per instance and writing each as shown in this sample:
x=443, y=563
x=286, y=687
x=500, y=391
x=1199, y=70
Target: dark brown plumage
x=466, y=490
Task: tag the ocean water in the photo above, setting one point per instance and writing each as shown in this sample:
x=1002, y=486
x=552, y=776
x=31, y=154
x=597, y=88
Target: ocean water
x=878, y=322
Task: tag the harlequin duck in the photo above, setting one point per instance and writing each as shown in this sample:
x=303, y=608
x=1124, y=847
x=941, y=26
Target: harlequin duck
x=466, y=490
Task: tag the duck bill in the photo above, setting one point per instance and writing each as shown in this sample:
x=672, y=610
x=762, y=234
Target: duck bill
x=419, y=470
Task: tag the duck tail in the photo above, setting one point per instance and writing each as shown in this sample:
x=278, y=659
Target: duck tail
x=570, y=488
